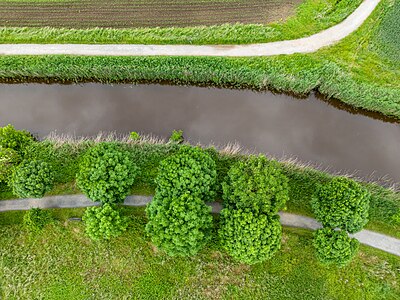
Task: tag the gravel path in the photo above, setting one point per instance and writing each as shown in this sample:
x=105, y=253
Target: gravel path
x=303, y=45
x=367, y=237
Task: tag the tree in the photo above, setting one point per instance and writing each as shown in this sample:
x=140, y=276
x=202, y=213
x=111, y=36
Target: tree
x=342, y=203
x=106, y=173
x=249, y=237
x=32, y=179
x=334, y=246
x=257, y=184
x=104, y=222
x=191, y=170
x=180, y=226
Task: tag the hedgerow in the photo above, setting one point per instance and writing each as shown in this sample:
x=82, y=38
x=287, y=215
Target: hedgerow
x=249, y=237
x=334, y=246
x=32, y=179
x=257, y=184
x=181, y=225
x=191, y=170
x=342, y=203
x=106, y=173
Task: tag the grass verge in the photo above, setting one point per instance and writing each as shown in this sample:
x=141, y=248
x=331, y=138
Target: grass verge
x=62, y=262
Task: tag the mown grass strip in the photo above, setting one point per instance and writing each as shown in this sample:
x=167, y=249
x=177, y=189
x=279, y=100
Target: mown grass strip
x=63, y=262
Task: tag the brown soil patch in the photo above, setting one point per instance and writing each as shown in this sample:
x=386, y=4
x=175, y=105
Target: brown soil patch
x=143, y=13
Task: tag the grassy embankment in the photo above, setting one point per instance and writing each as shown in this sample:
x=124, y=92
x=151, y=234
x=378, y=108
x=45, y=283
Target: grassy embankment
x=363, y=70
x=64, y=157
x=63, y=262
x=311, y=17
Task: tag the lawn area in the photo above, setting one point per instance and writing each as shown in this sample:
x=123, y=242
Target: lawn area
x=62, y=262
x=163, y=22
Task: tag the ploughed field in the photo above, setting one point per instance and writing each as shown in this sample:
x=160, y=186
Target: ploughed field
x=141, y=13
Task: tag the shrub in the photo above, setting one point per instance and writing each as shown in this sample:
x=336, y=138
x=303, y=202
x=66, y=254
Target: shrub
x=179, y=226
x=106, y=173
x=257, y=184
x=249, y=237
x=32, y=179
x=176, y=136
x=191, y=170
x=134, y=136
x=9, y=158
x=62, y=157
x=104, y=222
x=36, y=219
x=14, y=139
x=334, y=247
x=396, y=218
x=342, y=203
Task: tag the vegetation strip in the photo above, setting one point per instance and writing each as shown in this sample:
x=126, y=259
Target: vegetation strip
x=304, y=45
x=367, y=237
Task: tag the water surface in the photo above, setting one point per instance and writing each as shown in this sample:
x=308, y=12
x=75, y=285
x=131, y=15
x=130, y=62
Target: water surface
x=278, y=125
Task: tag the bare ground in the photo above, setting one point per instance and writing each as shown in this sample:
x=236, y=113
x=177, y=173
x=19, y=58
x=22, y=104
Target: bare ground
x=139, y=13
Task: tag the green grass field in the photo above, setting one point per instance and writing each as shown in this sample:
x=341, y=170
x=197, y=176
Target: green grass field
x=62, y=262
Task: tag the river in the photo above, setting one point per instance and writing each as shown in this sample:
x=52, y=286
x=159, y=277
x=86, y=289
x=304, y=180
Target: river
x=275, y=124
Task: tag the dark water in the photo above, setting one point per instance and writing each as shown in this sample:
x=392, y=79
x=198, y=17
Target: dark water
x=279, y=125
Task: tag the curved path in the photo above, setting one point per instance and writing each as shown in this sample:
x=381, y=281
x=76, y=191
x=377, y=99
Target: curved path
x=303, y=45
x=367, y=237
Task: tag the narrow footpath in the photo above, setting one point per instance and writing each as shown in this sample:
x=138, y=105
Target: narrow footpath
x=304, y=45
x=366, y=237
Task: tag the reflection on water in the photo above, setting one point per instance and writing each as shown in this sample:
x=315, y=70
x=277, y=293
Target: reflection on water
x=308, y=129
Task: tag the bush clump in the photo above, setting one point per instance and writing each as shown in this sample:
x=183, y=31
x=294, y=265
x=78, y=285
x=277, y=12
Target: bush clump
x=257, y=184
x=334, y=246
x=36, y=219
x=134, y=136
x=104, y=222
x=32, y=179
x=63, y=157
x=249, y=237
x=180, y=226
x=342, y=203
x=14, y=139
x=9, y=158
x=106, y=173
x=191, y=170
x=176, y=136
